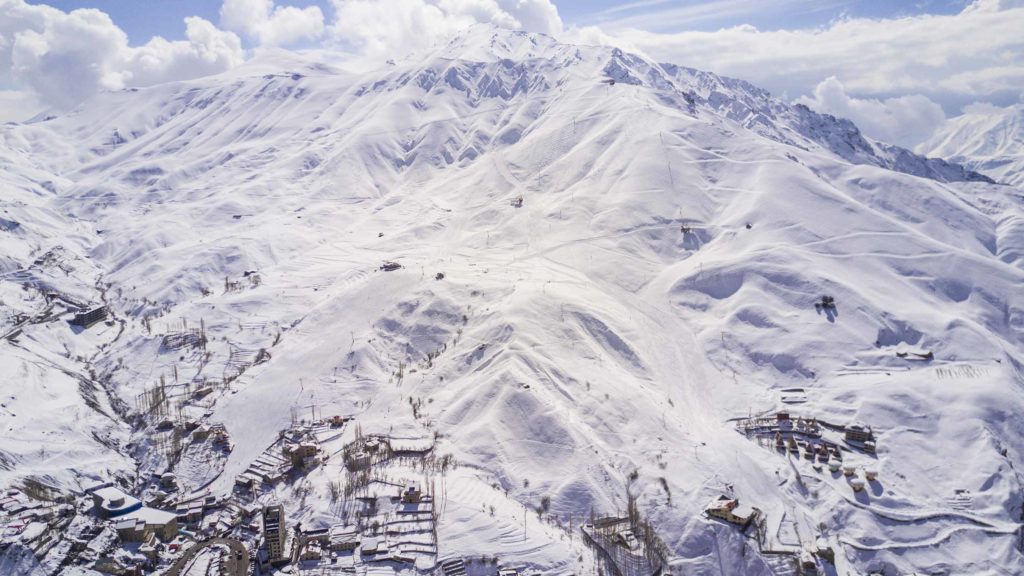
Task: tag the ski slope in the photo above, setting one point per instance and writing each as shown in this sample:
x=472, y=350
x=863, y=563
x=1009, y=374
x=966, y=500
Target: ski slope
x=579, y=347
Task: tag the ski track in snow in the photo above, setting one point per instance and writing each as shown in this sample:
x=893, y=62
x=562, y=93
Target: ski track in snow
x=580, y=339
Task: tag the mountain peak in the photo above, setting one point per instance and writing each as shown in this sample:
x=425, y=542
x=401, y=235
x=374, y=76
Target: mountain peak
x=552, y=281
x=488, y=42
x=986, y=138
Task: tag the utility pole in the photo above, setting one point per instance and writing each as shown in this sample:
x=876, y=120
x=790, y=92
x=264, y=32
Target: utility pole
x=525, y=514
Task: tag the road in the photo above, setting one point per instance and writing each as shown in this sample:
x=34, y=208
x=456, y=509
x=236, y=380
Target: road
x=232, y=564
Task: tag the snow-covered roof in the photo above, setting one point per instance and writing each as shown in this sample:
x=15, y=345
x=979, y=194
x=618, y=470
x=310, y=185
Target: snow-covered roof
x=125, y=523
x=151, y=516
x=343, y=529
x=110, y=494
x=743, y=511
x=721, y=503
x=343, y=534
x=411, y=444
x=115, y=502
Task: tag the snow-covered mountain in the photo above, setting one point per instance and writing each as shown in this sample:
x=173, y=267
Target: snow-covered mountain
x=985, y=138
x=599, y=339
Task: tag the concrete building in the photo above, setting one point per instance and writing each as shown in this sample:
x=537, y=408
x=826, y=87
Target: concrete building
x=627, y=540
x=373, y=545
x=312, y=551
x=274, y=531
x=111, y=502
x=144, y=523
x=343, y=537
x=87, y=318
x=302, y=455
x=245, y=481
x=359, y=461
x=220, y=437
x=201, y=433
x=319, y=534
x=412, y=495
x=859, y=433
x=729, y=509
x=132, y=530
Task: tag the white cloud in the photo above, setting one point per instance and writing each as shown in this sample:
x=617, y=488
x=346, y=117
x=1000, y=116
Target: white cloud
x=888, y=75
x=61, y=57
x=390, y=28
x=207, y=50
x=989, y=109
x=679, y=15
x=949, y=58
x=379, y=29
x=994, y=5
x=904, y=120
x=65, y=57
x=271, y=25
x=534, y=15
x=18, y=105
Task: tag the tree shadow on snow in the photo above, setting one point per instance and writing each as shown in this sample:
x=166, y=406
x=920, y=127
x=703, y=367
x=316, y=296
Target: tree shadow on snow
x=831, y=312
x=862, y=497
x=876, y=487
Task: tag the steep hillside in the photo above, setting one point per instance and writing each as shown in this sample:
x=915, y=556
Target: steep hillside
x=990, y=140
x=594, y=341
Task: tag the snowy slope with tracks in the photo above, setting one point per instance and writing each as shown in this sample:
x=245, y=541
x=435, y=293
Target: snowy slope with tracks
x=579, y=346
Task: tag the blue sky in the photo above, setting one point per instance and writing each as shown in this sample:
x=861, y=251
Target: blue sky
x=143, y=19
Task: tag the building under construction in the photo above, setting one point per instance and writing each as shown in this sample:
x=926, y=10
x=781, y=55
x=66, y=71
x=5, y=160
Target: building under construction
x=88, y=318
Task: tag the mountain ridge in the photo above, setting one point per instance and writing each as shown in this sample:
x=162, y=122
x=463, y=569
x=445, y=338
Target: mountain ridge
x=595, y=342
x=988, y=139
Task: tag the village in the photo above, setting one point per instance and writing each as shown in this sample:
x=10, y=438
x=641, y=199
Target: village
x=384, y=499
x=385, y=518
x=848, y=453
x=385, y=514
x=820, y=443
x=171, y=518
x=167, y=529
x=385, y=504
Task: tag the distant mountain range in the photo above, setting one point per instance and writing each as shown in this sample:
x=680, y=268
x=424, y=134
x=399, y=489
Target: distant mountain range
x=989, y=140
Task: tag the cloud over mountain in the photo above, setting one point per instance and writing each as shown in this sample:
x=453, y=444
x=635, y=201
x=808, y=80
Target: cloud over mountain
x=272, y=25
x=891, y=75
x=65, y=57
